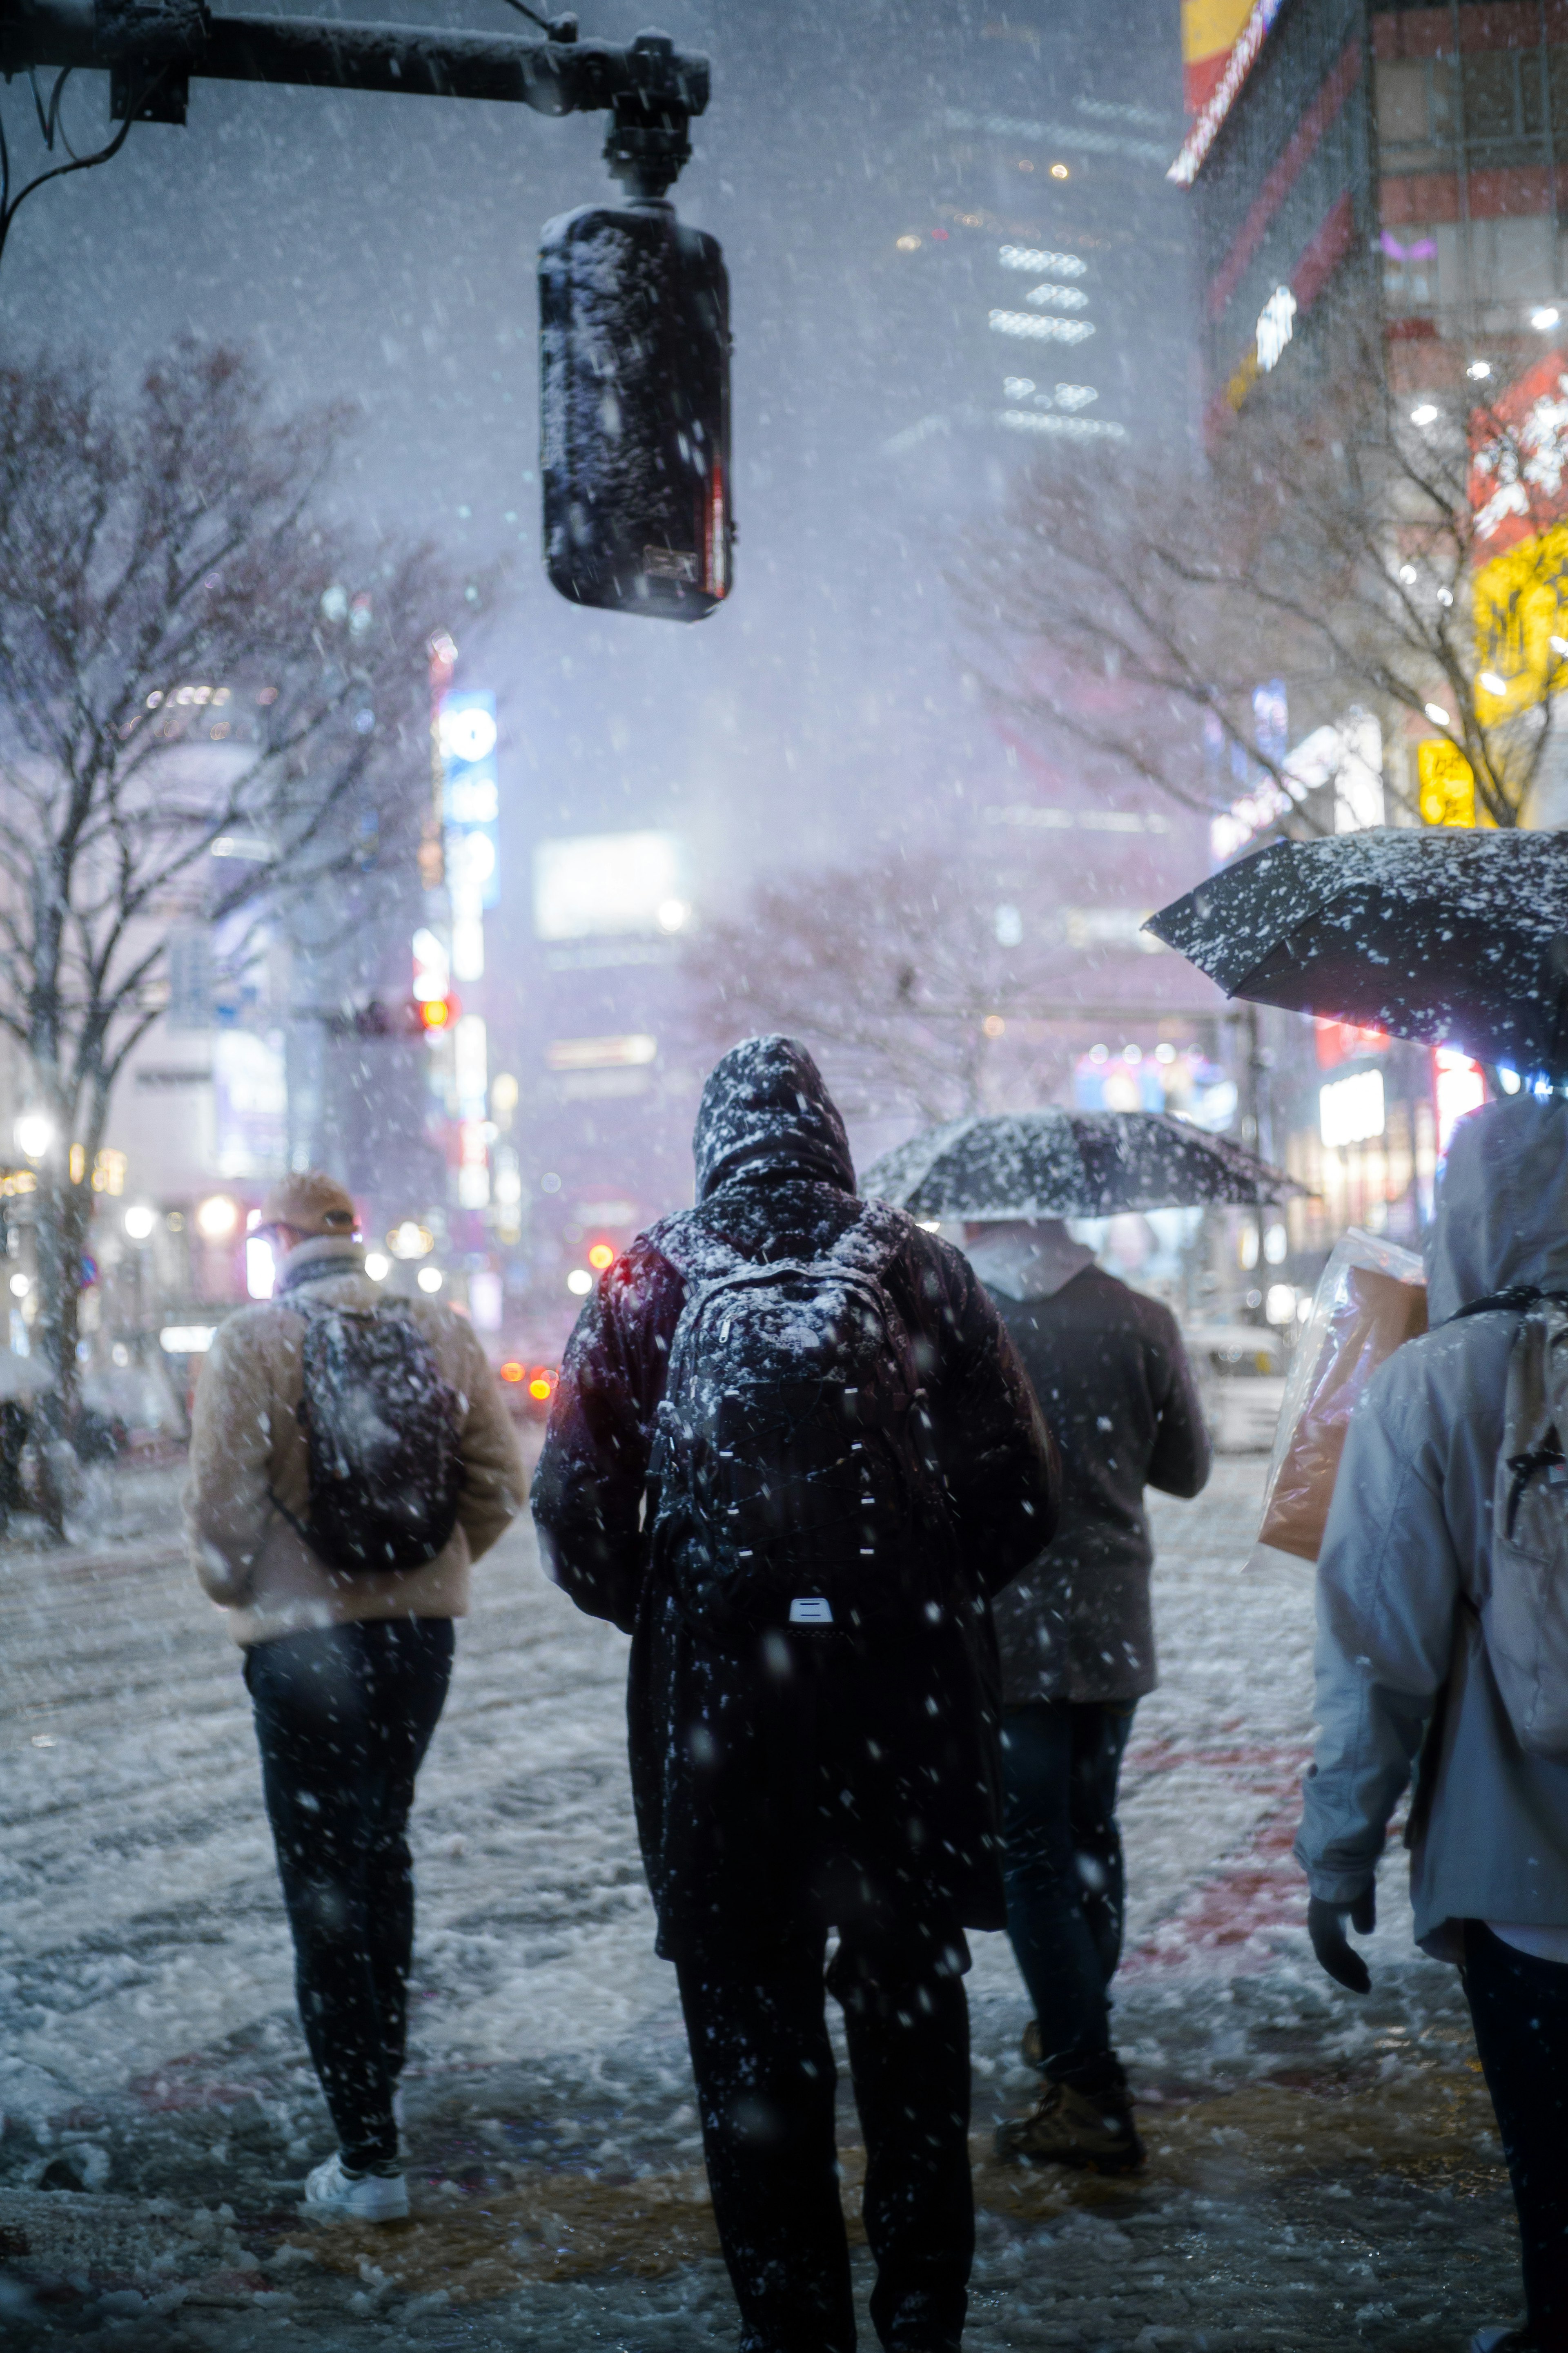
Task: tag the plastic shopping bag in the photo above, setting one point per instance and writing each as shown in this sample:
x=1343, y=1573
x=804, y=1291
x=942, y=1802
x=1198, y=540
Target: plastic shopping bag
x=1371, y=1298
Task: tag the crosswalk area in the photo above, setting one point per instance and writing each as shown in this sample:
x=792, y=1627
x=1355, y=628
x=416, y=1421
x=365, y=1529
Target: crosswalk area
x=1322, y=2172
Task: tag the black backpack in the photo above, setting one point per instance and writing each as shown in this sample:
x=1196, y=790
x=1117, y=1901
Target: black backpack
x=793, y=1456
x=382, y=1428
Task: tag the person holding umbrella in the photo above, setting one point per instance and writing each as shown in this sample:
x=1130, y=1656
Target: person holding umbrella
x=1440, y=1575
x=1077, y=1638
x=1076, y=1630
x=1410, y=1677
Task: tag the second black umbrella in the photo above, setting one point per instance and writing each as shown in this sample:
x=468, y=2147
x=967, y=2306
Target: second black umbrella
x=1069, y=1164
x=1439, y=933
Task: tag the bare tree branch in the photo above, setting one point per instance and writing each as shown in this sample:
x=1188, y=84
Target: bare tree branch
x=1137, y=610
x=192, y=659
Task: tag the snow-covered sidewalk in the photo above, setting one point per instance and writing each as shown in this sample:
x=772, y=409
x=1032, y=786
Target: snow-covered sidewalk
x=1322, y=2173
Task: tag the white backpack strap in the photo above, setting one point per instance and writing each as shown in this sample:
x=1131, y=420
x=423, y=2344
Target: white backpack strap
x=1524, y=1612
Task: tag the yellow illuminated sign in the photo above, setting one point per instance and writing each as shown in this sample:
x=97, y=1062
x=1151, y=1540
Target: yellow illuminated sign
x=1446, y=783
x=1518, y=610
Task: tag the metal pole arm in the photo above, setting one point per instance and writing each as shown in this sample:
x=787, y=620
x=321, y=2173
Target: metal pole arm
x=648, y=80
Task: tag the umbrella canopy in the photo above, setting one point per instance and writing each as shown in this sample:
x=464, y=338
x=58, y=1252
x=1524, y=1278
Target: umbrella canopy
x=1451, y=936
x=1069, y=1164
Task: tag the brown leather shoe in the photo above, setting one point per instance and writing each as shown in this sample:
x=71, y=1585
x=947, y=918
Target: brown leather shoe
x=1070, y=2128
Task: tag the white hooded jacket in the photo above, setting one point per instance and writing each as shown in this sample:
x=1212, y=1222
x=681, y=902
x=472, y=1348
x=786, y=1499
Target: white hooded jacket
x=1407, y=1556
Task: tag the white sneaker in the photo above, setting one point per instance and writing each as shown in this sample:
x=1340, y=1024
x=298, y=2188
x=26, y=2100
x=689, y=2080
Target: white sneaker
x=332, y=2194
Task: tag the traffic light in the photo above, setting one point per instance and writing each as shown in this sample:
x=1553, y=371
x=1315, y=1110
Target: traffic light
x=415, y=1017
x=634, y=315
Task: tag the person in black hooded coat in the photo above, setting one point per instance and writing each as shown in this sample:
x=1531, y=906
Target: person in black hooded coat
x=801, y=1781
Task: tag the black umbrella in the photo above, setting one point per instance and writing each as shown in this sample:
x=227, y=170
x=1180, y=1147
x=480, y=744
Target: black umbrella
x=1069, y=1164
x=1441, y=934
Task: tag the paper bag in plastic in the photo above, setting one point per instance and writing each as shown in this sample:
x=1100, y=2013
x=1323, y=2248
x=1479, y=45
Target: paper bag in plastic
x=1371, y=1298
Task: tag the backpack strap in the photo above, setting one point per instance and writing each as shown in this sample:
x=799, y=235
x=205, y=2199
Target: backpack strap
x=1516, y=1300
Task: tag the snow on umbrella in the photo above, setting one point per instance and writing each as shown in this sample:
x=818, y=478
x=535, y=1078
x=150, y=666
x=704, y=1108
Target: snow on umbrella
x=1439, y=933
x=1069, y=1164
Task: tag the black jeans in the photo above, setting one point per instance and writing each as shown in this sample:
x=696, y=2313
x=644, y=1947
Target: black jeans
x=766, y=2082
x=1519, y=2008
x=344, y=1716
x=1065, y=1877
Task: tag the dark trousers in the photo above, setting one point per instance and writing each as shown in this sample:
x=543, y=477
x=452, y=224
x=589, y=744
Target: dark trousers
x=1065, y=1877
x=766, y=2082
x=344, y=1716
x=1520, y=2007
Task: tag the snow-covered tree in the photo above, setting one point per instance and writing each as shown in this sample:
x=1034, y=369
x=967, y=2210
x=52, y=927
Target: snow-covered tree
x=917, y=978
x=1363, y=545
x=211, y=703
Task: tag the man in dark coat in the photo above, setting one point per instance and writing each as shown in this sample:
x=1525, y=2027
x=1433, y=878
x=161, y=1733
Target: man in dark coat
x=1076, y=1640
x=807, y=1778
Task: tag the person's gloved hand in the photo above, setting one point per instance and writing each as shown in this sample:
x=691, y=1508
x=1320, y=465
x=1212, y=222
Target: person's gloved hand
x=1326, y=1927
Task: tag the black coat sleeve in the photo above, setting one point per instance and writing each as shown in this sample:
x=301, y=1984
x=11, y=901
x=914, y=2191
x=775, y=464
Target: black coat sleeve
x=589, y=1489
x=999, y=1460
x=1182, y=1456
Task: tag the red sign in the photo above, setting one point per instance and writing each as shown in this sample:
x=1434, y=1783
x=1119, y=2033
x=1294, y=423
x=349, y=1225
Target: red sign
x=1459, y=1087
x=1519, y=460
x=1342, y=1041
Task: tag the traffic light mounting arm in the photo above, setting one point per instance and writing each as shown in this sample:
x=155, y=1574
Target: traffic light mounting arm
x=149, y=48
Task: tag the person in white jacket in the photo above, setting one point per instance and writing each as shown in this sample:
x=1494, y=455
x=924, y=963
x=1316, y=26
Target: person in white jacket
x=1405, y=1684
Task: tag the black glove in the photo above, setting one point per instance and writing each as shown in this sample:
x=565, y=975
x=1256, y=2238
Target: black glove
x=1326, y=1927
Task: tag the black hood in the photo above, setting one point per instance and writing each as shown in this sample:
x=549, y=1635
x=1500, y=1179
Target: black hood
x=765, y=1110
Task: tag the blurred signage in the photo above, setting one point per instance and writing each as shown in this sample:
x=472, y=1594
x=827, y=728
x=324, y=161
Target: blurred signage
x=601, y=1054
x=1342, y=1041
x=466, y=737
x=1459, y=1087
x=250, y=1103
x=469, y=1072
x=1276, y=325
x=1519, y=459
x=1351, y=1111
x=1220, y=41
x=484, y=1299
x=1347, y=756
x=599, y=885
x=1446, y=782
x=1518, y=505
x=432, y=968
x=470, y=1079
x=1210, y=29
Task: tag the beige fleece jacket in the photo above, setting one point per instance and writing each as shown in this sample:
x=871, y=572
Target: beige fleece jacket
x=246, y=1440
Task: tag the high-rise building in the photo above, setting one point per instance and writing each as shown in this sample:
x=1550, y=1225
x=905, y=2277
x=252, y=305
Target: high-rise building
x=1040, y=246
x=1408, y=162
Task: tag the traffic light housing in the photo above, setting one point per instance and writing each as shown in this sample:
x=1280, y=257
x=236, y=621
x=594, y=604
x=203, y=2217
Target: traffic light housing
x=415, y=1017
x=634, y=314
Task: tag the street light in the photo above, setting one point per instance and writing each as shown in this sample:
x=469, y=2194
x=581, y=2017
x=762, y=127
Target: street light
x=216, y=1217
x=35, y=1134
x=140, y=1221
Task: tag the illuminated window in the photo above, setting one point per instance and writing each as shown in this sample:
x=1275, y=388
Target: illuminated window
x=1031, y=329
x=1041, y=263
